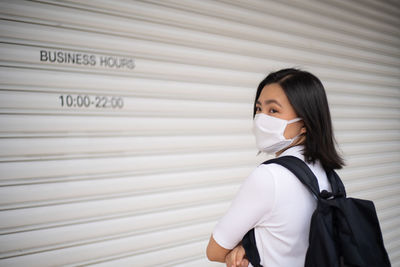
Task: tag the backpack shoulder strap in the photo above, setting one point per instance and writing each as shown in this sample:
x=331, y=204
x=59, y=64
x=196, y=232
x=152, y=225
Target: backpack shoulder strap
x=338, y=188
x=300, y=170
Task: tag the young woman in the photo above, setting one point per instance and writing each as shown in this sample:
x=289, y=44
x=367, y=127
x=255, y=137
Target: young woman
x=291, y=117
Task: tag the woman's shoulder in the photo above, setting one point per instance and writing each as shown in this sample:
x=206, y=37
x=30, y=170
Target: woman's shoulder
x=262, y=176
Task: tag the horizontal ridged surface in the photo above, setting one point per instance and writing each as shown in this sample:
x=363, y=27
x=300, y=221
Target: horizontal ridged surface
x=120, y=166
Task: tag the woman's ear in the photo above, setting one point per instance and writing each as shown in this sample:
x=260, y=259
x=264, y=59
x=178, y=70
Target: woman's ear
x=303, y=130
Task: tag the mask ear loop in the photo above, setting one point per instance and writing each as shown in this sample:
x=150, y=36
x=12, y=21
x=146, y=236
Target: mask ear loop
x=300, y=134
x=294, y=120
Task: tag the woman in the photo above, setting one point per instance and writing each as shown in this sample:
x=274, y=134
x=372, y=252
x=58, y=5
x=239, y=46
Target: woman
x=291, y=117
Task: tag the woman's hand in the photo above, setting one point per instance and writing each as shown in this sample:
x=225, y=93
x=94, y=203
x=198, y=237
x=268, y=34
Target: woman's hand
x=236, y=258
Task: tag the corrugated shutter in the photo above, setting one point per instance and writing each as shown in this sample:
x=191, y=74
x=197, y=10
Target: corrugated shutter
x=125, y=125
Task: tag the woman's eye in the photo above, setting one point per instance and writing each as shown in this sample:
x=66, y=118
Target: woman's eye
x=258, y=109
x=273, y=110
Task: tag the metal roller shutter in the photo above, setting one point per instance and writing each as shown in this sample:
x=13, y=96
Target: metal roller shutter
x=125, y=125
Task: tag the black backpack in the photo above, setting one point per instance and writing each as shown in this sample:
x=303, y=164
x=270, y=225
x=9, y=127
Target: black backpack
x=344, y=232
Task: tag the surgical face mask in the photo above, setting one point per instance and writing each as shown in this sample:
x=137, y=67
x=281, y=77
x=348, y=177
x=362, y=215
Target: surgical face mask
x=269, y=131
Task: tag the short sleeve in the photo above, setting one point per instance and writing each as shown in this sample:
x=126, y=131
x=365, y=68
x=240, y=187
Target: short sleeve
x=253, y=202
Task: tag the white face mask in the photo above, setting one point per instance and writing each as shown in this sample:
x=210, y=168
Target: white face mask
x=269, y=131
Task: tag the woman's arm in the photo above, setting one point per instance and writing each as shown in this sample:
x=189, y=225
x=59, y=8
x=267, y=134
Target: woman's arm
x=215, y=252
x=254, y=200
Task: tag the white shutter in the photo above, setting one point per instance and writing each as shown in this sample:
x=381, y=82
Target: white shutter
x=127, y=148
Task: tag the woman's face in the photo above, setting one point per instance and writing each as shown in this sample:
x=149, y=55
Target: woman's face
x=274, y=102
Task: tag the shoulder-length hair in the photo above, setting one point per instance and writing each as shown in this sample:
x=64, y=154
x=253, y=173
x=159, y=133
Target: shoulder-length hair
x=307, y=96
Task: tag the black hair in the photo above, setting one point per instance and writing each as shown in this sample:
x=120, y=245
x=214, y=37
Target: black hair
x=307, y=96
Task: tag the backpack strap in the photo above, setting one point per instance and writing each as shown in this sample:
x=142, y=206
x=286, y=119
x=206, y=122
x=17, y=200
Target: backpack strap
x=300, y=169
x=337, y=185
x=250, y=247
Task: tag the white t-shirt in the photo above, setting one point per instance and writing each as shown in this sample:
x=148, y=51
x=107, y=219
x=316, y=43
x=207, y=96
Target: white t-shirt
x=274, y=202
